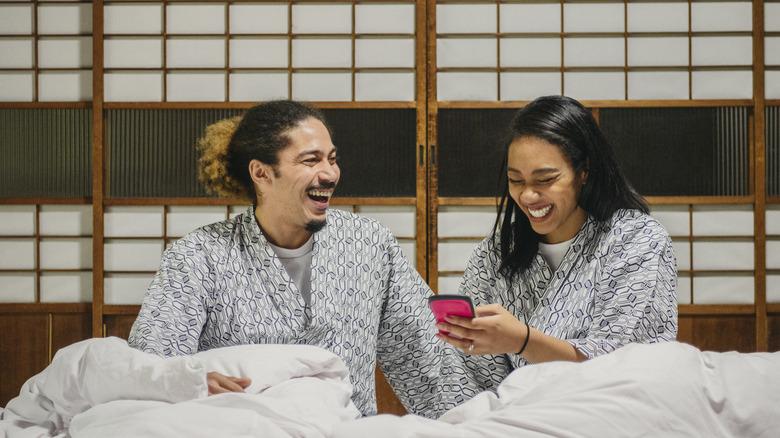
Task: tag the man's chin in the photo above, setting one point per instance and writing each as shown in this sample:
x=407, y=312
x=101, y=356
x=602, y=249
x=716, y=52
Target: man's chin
x=315, y=225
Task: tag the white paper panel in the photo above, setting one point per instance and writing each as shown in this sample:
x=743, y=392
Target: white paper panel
x=16, y=87
x=136, y=87
x=70, y=86
x=518, y=17
x=466, y=221
x=772, y=50
x=665, y=51
x=258, y=18
x=593, y=17
x=388, y=87
x=449, y=284
x=132, y=255
x=17, y=220
x=129, y=289
x=182, y=220
x=771, y=17
x=711, y=50
x=235, y=210
x=454, y=254
x=66, y=220
x=466, y=86
x=334, y=86
x=17, y=254
x=257, y=87
x=196, y=52
x=189, y=87
x=193, y=18
x=772, y=84
x=529, y=86
x=466, y=18
x=16, y=19
x=330, y=52
x=65, y=19
x=682, y=252
x=719, y=255
x=398, y=218
x=408, y=247
x=725, y=220
x=462, y=52
x=773, y=288
x=65, y=52
x=530, y=52
x=265, y=52
x=675, y=218
x=384, y=18
x=773, y=220
x=723, y=290
x=651, y=85
x=321, y=18
x=17, y=288
x=721, y=16
x=384, y=52
x=75, y=287
x=136, y=53
x=658, y=17
x=136, y=19
x=133, y=222
x=66, y=253
x=594, y=52
x=16, y=53
x=722, y=85
x=594, y=85
x=773, y=254
x=683, y=289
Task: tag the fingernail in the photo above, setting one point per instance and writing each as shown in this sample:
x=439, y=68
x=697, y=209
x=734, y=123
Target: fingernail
x=447, y=318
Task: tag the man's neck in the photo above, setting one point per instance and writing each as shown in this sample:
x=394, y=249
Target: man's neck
x=281, y=233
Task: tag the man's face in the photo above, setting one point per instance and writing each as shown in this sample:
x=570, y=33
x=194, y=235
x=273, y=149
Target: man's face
x=298, y=192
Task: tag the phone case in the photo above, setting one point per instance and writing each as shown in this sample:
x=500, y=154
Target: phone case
x=458, y=305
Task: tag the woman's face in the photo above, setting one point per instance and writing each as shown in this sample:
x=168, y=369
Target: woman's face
x=546, y=187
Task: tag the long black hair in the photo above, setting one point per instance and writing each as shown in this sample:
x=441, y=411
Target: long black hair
x=564, y=122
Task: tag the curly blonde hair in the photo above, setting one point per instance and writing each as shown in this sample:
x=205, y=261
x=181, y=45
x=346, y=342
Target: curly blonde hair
x=213, y=169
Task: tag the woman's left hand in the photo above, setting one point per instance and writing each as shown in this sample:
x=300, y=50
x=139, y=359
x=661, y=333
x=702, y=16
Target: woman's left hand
x=493, y=331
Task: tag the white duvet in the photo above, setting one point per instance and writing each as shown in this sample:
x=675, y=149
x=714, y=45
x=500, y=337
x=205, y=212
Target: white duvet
x=103, y=388
x=658, y=390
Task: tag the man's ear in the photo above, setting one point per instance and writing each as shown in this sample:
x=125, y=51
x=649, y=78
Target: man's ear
x=259, y=172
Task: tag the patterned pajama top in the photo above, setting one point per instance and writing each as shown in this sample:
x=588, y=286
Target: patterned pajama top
x=615, y=285
x=223, y=285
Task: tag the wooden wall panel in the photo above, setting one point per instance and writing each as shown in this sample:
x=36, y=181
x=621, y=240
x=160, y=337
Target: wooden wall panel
x=118, y=325
x=23, y=349
x=386, y=400
x=69, y=328
x=719, y=333
x=773, y=321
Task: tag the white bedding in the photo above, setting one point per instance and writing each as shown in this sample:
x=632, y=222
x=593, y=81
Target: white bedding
x=103, y=388
x=658, y=390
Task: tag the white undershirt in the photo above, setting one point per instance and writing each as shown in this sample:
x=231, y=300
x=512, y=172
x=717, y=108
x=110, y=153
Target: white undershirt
x=553, y=252
x=297, y=262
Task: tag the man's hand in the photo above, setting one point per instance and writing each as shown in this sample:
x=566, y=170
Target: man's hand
x=219, y=383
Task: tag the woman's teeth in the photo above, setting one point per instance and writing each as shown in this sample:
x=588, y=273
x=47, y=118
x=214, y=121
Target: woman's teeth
x=540, y=213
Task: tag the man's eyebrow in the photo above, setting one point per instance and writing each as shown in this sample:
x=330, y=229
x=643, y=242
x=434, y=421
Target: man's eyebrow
x=316, y=152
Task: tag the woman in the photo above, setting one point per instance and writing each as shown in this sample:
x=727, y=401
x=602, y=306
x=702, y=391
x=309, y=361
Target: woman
x=574, y=267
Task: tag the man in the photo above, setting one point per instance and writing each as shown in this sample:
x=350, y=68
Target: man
x=289, y=270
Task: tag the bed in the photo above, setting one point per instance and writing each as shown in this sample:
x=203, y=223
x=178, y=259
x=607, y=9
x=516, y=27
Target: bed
x=103, y=388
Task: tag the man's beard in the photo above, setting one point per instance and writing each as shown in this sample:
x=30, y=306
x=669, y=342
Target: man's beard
x=314, y=226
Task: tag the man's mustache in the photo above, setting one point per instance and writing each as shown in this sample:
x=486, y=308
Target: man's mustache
x=324, y=186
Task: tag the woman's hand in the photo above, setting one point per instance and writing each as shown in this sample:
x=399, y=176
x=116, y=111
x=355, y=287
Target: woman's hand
x=493, y=331
x=219, y=383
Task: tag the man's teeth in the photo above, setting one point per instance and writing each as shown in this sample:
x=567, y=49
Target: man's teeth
x=540, y=213
x=320, y=193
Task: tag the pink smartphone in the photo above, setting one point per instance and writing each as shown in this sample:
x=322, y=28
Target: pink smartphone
x=457, y=305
